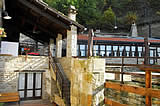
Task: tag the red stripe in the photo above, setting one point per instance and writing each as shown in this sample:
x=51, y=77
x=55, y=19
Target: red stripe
x=81, y=37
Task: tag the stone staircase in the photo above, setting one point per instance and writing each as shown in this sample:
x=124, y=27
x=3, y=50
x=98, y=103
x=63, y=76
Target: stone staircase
x=60, y=94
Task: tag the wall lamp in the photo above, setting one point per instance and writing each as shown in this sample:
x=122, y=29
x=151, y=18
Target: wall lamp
x=6, y=16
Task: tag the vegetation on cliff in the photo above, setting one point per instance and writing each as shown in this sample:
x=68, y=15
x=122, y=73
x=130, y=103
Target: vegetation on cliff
x=104, y=14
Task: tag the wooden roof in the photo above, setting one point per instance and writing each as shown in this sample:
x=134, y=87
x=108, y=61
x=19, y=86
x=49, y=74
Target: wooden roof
x=118, y=39
x=29, y=15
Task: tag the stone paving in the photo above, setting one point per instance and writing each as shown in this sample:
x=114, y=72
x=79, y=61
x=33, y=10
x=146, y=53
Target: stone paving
x=30, y=103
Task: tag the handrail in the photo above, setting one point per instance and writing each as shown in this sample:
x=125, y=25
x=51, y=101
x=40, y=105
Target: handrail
x=61, y=79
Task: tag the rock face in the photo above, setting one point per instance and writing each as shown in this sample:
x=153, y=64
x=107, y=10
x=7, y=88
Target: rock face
x=144, y=30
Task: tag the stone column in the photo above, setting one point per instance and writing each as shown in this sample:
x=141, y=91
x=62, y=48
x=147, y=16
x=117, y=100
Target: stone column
x=72, y=41
x=51, y=43
x=59, y=46
x=98, y=66
x=72, y=34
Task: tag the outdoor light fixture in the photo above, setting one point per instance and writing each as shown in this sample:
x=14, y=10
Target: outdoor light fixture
x=115, y=23
x=115, y=27
x=85, y=29
x=6, y=16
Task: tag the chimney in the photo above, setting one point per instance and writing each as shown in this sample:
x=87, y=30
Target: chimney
x=134, y=32
x=72, y=13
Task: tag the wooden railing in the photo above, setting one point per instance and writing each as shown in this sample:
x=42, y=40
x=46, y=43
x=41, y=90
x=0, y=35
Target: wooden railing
x=61, y=79
x=148, y=92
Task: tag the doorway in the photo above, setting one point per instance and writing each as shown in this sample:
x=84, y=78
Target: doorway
x=30, y=85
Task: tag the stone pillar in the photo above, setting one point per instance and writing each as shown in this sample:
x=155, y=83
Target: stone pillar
x=51, y=43
x=59, y=46
x=72, y=41
x=98, y=66
x=72, y=34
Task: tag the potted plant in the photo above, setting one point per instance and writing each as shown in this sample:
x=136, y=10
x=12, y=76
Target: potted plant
x=2, y=33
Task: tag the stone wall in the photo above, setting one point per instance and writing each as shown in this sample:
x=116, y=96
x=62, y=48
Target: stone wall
x=9, y=78
x=87, y=80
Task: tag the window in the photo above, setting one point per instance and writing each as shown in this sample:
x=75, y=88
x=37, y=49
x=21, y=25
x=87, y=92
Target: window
x=127, y=50
x=121, y=48
x=158, y=52
x=95, y=50
x=108, y=50
x=82, y=50
x=133, y=50
x=115, y=49
x=140, y=51
x=102, y=50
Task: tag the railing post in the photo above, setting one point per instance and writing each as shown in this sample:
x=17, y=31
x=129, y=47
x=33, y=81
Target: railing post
x=122, y=82
x=148, y=83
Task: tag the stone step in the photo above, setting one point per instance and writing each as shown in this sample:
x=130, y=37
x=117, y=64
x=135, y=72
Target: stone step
x=58, y=100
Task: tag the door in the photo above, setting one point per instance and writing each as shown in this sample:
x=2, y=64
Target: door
x=30, y=85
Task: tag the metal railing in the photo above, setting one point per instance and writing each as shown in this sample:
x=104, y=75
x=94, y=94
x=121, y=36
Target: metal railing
x=61, y=79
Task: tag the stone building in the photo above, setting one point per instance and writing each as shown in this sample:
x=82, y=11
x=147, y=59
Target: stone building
x=69, y=80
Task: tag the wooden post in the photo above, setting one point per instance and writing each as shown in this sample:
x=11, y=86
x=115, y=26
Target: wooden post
x=148, y=83
x=122, y=82
x=90, y=42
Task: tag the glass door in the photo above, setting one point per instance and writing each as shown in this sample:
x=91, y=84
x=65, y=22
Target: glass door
x=30, y=85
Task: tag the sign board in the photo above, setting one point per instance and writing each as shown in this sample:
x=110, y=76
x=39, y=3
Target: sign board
x=9, y=48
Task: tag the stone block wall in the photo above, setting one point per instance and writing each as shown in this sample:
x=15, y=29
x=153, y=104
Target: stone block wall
x=87, y=80
x=9, y=78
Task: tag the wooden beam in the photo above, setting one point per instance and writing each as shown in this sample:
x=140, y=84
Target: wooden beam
x=152, y=68
x=134, y=89
x=113, y=103
x=130, y=73
x=43, y=13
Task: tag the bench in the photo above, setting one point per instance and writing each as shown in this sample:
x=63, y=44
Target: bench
x=10, y=97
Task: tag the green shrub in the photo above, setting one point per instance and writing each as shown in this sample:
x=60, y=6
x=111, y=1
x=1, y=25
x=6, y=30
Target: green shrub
x=1, y=104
